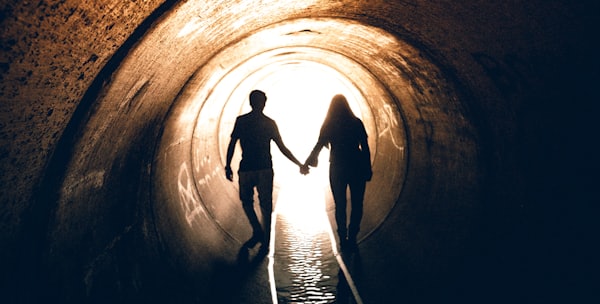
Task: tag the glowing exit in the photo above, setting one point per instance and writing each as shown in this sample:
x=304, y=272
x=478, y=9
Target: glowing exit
x=298, y=98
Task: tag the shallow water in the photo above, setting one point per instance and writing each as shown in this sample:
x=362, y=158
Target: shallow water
x=305, y=268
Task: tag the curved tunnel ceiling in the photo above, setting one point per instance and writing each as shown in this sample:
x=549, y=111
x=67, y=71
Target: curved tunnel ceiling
x=418, y=131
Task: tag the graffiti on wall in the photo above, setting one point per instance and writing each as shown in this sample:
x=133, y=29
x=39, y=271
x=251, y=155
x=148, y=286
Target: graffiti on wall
x=190, y=203
x=201, y=167
x=390, y=123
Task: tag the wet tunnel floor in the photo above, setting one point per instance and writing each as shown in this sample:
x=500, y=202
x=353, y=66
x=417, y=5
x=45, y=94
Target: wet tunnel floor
x=302, y=266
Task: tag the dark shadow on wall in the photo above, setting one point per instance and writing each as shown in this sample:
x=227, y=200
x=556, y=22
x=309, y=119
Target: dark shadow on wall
x=540, y=232
x=559, y=222
x=120, y=258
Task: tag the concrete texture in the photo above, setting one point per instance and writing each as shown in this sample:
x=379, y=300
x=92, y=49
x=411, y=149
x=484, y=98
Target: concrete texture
x=495, y=104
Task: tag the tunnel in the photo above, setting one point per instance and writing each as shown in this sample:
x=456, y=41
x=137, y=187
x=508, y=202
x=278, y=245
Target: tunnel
x=115, y=119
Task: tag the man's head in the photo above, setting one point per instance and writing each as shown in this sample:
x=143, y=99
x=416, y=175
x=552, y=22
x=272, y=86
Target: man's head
x=258, y=100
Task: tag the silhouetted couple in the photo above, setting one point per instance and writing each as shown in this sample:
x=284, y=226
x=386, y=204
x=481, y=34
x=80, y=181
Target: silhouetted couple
x=342, y=132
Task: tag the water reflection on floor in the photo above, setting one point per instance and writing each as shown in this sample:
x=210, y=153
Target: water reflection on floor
x=305, y=269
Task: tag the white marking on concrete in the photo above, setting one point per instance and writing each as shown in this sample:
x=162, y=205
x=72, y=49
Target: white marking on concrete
x=344, y=269
x=271, y=257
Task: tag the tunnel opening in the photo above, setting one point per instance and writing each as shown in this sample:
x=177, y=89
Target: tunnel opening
x=299, y=93
x=298, y=97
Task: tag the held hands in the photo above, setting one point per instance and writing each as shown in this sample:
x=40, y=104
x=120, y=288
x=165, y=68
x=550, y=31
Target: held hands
x=304, y=170
x=311, y=161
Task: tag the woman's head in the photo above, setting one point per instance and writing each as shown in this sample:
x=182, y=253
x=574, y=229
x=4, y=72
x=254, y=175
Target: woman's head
x=338, y=116
x=339, y=108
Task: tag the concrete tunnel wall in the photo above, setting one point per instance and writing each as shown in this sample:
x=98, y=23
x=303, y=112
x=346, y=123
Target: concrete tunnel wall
x=92, y=148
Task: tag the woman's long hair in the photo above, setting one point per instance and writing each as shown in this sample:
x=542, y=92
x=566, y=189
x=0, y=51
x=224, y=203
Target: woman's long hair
x=338, y=116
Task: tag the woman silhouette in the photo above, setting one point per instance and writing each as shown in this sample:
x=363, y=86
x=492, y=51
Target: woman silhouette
x=349, y=165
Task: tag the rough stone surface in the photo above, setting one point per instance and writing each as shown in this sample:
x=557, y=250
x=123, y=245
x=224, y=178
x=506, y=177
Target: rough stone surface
x=51, y=52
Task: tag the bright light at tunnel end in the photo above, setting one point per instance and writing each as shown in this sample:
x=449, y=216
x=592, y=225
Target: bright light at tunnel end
x=298, y=98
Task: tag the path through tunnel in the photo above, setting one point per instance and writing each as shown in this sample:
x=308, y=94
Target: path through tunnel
x=134, y=203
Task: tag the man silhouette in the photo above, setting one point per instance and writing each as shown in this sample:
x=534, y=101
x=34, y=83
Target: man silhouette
x=255, y=131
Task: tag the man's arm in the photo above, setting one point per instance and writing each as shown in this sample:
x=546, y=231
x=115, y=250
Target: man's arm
x=279, y=142
x=230, y=150
x=286, y=151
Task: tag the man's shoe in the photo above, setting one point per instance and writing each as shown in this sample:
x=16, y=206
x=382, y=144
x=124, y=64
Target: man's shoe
x=263, y=251
x=255, y=239
x=351, y=247
x=348, y=245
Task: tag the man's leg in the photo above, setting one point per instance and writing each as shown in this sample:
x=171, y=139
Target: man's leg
x=246, y=182
x=265, y=196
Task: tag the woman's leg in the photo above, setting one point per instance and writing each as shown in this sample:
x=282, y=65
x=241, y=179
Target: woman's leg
x=338, y=189
x=357, y=194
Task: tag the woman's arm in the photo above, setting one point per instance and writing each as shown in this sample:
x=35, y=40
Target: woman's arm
x=313, y=158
